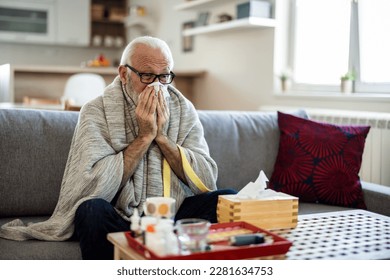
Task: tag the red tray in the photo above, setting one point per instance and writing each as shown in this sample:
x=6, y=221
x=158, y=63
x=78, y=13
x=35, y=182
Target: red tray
x=274, y=247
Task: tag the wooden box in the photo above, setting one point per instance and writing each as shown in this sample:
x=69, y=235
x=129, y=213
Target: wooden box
x=275, y=212
x=254, y=8
x=97, y=11
x=117, y=14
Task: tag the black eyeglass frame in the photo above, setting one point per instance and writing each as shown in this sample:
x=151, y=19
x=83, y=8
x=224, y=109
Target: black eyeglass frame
x=140, y=75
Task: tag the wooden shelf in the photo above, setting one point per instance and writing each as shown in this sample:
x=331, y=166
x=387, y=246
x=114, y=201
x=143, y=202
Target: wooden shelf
x=251, y=22
x=107, y=22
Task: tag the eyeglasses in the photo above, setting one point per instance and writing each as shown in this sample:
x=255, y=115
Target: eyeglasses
x=148, y=78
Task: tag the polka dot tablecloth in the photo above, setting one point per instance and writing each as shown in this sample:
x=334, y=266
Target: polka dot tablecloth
x=354, y=234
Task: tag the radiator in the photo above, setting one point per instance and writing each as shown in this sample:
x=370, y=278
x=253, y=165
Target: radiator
x=376, y=157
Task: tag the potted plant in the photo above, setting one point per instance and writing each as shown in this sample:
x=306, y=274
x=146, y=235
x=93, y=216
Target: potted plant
x=347, y=82
x=285, y=79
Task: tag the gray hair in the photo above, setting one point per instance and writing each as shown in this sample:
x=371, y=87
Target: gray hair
x=148, y=41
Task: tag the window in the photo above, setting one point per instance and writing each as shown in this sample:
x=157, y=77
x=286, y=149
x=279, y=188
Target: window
x=333, y=37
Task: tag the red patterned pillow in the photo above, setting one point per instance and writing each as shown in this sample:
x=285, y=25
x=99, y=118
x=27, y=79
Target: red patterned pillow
x=319, y=162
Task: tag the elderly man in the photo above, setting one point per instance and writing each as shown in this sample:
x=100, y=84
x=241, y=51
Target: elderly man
x=133, y=142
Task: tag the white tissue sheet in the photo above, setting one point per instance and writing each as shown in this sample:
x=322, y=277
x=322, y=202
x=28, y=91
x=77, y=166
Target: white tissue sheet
x=258, y=190
x=159, y=86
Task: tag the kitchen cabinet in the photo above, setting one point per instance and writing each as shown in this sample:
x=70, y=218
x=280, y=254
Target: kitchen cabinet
x=73, y=22
x=44, y=81
x=28, y=22
x=56, y=22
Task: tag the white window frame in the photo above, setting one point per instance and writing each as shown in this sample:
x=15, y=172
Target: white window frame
x=354, y=60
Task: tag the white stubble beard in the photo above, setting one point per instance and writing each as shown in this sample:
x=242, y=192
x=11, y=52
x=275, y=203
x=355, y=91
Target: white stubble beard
x=129, y=90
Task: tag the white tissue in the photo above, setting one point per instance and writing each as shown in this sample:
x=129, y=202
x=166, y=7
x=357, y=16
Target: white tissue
x=252, y=189
x=258, y=189
x=159, y=86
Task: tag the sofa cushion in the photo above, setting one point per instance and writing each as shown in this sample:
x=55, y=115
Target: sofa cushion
x=34, y=147
x=37, y=249
x=314, y=208
x=242, y=144
x=320, y=162
x=377, y=198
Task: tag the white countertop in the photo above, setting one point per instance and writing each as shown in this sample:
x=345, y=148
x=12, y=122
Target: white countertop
x=98, y=70
x=11, y=105
x=63, y=69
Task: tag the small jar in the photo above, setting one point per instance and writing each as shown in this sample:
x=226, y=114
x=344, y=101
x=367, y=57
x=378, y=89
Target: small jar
x=171, y=241
x=154, y=240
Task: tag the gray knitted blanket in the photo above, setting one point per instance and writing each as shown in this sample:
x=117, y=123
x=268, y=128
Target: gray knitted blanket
x=95, y=163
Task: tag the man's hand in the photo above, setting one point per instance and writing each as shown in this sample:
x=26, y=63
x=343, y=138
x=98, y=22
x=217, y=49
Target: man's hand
x=167, y=146
x=147, y=123
x=162, y=116
x=146, y=114
x=152, y=115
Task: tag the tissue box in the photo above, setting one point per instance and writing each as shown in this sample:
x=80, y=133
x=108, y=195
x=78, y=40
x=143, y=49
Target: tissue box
x=278, y=212
x=254, y=9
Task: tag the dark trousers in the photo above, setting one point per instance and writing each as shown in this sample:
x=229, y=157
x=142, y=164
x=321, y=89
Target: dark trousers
x=96, y=218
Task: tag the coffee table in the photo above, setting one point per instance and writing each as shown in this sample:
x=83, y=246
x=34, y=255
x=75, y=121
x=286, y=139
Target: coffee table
x=122, y=251
x=351, y=234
